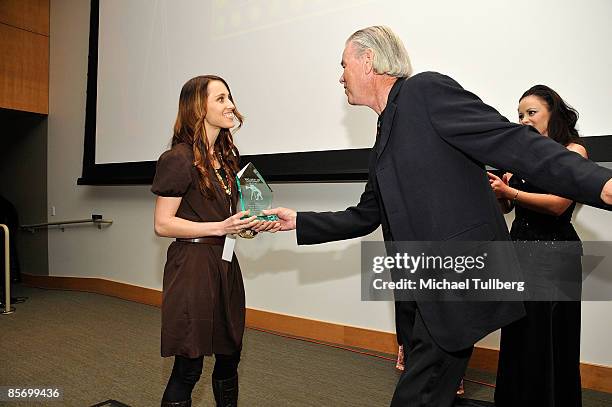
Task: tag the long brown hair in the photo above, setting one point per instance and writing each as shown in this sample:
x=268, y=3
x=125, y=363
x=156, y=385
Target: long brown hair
x=189, y=128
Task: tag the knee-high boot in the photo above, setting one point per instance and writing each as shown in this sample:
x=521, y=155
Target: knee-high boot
x=226, y=391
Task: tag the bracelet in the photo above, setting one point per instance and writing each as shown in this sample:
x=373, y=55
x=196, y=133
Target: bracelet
x=515, y=196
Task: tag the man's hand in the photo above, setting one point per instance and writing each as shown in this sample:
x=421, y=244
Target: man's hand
x=606, y=192
x=286, y=217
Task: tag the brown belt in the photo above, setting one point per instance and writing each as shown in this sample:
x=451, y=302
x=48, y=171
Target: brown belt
x=213, y=240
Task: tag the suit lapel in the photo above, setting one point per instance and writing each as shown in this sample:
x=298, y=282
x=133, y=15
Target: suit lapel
x=388, y=115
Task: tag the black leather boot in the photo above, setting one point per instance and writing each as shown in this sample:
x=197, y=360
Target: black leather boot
x=226, y=391
x=186, y=403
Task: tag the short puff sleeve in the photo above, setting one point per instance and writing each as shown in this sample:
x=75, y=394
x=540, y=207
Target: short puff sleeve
x=172, y=173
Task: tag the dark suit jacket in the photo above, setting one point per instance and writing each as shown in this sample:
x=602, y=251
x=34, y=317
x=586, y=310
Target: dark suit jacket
x=427, y=182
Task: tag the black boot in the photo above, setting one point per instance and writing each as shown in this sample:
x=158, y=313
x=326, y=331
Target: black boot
x=186, y=403
x=226, y=391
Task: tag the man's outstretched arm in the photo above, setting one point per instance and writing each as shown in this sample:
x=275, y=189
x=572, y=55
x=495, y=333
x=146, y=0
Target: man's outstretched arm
x=478, y=130
x=321, y=227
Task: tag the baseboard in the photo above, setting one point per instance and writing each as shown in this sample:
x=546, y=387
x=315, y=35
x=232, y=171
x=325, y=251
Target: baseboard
x=594, y=377
x=384, y=342
x=124, y=291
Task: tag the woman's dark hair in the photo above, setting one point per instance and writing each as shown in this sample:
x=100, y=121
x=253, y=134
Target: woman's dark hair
x=189, y=128
x=563, y=117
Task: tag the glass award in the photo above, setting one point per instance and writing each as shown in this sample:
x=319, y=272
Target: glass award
x=255, y=193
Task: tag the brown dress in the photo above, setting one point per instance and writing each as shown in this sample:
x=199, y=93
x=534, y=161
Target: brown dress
x=203, y=306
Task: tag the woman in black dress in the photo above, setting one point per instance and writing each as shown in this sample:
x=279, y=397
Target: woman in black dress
x=539, y=360
x=203, y=305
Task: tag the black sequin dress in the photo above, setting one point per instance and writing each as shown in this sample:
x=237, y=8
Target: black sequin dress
x=539, y=361
x=529, y=225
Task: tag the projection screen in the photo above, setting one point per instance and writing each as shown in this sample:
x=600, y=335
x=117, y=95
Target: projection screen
x=282, y=62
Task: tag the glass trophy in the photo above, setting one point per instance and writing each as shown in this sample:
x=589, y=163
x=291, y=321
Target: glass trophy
x=255, y=193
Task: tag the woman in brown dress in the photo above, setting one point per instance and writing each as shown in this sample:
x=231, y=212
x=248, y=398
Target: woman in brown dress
x=203, y=306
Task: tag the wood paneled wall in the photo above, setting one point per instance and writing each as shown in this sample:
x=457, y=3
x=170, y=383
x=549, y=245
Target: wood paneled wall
x=24, y=55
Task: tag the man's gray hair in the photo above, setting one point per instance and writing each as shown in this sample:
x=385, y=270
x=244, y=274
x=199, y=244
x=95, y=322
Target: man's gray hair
x=390, y=56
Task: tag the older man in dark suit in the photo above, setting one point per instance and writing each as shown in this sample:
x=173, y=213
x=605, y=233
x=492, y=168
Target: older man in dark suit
x=427, y=182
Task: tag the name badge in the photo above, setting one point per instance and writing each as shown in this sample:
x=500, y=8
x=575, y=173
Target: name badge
x=228, y=247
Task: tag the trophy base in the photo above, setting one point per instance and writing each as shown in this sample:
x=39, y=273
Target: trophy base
x=269, y=218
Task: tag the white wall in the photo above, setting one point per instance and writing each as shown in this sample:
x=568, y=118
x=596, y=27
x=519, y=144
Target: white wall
x=318, y=282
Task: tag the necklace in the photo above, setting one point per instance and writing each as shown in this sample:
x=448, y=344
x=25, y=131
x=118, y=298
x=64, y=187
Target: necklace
x=227, y=188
